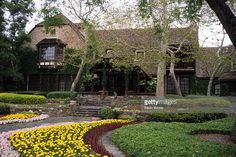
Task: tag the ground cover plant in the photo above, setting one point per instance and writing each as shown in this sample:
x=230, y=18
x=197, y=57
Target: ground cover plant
x=18, y=116
x=22, y=98
x=21, y=118
x=188, y=101
x=152, y=139
x=65, y=140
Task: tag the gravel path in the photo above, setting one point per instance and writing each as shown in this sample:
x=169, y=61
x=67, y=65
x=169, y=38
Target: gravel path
x=50, y=120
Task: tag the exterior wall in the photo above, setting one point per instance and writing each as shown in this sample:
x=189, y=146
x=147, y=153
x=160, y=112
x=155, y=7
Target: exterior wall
x=65, y=33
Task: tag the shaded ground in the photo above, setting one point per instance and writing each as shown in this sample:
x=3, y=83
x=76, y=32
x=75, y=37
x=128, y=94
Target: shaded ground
x=217, y=138
x=50, y=120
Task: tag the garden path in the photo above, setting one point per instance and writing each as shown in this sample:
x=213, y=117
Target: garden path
x=48, y=121
x=106, y=141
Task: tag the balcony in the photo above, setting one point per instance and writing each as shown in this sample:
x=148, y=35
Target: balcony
x=183, y=66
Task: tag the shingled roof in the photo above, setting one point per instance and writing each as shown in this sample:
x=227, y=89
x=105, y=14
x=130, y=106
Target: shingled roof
x=123, y=41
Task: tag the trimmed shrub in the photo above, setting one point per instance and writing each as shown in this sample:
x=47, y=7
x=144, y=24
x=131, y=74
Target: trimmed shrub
x=32, y=93
x=106, y=113
x=62, y=94
x=21, y=98
x=127, y=117
x=185, y=117
x=4, y=109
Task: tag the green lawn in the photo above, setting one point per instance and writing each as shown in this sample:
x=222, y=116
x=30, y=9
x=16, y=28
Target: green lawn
x=154, y=139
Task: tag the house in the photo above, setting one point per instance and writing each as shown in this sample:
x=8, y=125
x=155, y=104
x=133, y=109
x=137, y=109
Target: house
x=135, y=47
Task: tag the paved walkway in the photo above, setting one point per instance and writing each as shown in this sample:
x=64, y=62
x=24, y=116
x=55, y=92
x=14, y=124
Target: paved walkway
x=50, y=120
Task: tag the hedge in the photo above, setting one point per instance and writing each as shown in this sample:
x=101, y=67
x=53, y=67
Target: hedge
x=152, y=139
x=185, y=117
x=4, y=109
x=21, y=98
x=62, y=94
x=106, y=113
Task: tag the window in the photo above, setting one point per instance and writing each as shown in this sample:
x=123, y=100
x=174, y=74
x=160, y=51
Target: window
x=139, y=55
x=184, y=85
x=170, y=86
x=233, y=66
x=48, y=52
x=217, y=89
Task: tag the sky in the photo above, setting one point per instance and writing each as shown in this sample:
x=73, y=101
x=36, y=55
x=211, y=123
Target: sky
x=208, y=36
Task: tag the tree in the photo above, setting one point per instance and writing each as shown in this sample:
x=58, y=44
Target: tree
x=215, y=61
x=223, y=11
x=163, y=14
x=86, y=11
x=19, y=11
x=4, y=56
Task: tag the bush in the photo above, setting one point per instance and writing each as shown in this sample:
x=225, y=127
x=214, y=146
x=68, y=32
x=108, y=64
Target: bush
x=127, y=117
x=106, y=113
x=32, y=93
x=62, y=94
x=21, y=98
x=185, y=117
x=4, y=109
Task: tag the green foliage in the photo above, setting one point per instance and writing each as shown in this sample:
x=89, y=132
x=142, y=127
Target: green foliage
x=185, y=117
x=51, y=20
x=21, y=98
x=192, y=9
x=152, y=139
x=201, y=86
x=106, y=113
x=127, y=117
x=224, y=89
x=150, y=84
x=62, y=94
x=4, y=109
x=32, y=93
x=203, y=101
x=145, y=8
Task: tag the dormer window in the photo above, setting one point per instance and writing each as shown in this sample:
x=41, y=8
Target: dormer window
x=139, y=55
x=50, y=52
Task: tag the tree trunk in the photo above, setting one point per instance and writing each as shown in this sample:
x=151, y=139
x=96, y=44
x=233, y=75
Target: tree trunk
x=161, y=70
x=78, y=76
x=104, y=77
x=160, y=87
x=172, y=75
x=210, y=83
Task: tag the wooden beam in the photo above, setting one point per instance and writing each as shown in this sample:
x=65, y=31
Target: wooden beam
x=226, y=17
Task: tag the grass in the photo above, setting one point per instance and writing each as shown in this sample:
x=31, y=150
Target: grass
x=188, y=101
x=152, y=139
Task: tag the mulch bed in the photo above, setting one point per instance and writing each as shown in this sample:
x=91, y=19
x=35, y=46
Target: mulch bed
x=217, y=138
x=93, y=137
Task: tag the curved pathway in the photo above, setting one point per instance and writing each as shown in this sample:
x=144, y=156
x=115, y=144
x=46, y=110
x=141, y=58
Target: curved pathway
x=110, y=146
x=48, y=121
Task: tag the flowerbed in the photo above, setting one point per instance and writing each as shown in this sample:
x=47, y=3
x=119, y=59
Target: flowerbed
x=174, y=139
x=65, y=140
x=20, y=118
